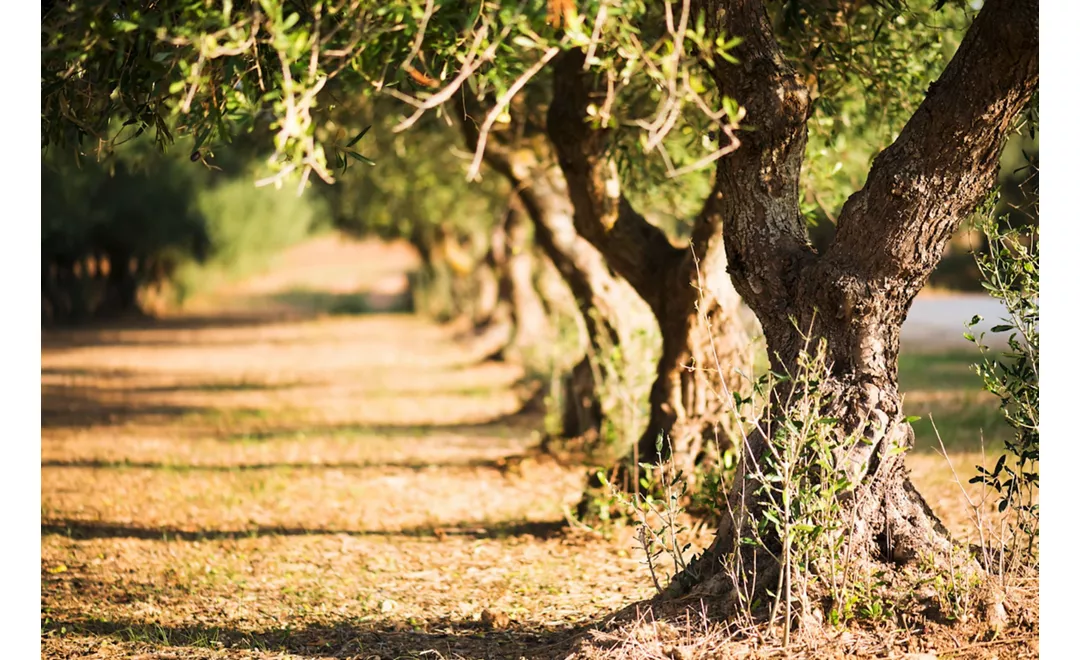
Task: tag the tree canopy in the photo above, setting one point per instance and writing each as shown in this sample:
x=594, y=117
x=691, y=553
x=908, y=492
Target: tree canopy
x=213, y=71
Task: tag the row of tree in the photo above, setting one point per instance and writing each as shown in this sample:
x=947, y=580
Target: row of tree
x=136, y=220
x=679, y=150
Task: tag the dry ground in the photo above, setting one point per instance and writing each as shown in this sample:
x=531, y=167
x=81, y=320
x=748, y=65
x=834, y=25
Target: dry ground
x=281, y=484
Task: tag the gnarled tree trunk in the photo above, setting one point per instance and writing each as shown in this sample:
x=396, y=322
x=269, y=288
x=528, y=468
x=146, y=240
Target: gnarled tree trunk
x=855, y=295
x=526, y=309
x=596, y=290
x=706, y=353
x=704, y=359
x=598, y=293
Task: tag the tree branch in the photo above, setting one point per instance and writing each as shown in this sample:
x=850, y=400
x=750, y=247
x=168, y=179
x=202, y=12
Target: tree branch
x=634, y=247
x=756, y=191
x=946, y=159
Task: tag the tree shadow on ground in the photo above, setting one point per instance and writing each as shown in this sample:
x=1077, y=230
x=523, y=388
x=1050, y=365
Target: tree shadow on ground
x=344, y=304
x=200, y=385
x=387, y=639
x=76, y=407
x=83, y=529
x=110, y=333
x=509, y=425
x=500, y=464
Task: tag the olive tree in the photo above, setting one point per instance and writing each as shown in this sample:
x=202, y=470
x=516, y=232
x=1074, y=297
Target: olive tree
x=618, y=83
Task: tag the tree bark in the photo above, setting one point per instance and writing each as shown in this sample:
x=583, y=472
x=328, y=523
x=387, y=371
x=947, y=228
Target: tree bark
x=598, y=293
x=527, y=310
x=485, y=304
x=706, y=353
x=857, y=294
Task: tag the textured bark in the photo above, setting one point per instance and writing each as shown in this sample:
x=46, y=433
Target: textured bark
x=486, y=303
x=705, y=345
x=526, y=308
x=857, y=294
x=598, y=294
x=703, y=359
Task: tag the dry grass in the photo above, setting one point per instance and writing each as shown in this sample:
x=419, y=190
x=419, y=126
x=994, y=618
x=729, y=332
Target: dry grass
x=280, y=485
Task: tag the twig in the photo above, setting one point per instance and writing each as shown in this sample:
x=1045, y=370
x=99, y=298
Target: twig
x=702, y=163
x=428, y=11
x=500, y=105
x=467, y=69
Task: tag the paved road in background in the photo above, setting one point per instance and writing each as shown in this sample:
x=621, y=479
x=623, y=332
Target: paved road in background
x=938, y=320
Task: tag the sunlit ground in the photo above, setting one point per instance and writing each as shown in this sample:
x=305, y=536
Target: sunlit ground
x=224, y=484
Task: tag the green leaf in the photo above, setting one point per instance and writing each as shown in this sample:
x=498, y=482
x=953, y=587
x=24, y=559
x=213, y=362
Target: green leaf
x=361, y=158
x=731, y=107
x=360, y=135
x=1000, y=464
x=728, y=57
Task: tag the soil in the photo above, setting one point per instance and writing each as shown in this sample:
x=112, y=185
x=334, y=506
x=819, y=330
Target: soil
x=256, y=479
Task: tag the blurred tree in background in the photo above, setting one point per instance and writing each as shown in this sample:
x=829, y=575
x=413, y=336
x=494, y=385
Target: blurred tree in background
x=138, y=218
x=110, y=228
x=418, y=193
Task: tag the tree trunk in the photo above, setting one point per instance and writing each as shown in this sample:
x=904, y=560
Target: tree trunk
x=856, y=295
x=527, y=310
x=486, y=299
x=706, y=350
x=121, y=285
x=705, y=359
x=598, y=293
x=443, y=289
x=518, y=303
x=885, y=521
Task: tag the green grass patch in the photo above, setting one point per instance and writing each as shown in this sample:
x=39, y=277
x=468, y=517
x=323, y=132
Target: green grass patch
x=942, y=389
x=969, y=427
x=240, y=386
x=939, y=372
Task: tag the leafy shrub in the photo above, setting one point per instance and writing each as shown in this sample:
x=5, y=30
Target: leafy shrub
x=1010, y=270
x=112, y=228
x=245, y=226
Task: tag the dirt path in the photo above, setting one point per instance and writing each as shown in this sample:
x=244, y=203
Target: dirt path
x=238, y=484
x=241, y=486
